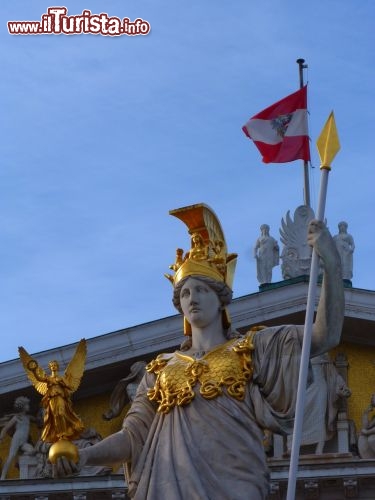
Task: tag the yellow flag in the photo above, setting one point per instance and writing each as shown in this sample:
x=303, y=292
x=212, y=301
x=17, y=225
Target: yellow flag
x=328, y=142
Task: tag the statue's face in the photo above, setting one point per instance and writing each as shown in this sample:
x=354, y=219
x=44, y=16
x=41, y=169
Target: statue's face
x=54, y=366
x=196, y=240
x=199, y=303
x=22, y=404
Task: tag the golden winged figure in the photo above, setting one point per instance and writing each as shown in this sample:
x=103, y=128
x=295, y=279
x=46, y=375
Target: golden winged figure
x=60, y=420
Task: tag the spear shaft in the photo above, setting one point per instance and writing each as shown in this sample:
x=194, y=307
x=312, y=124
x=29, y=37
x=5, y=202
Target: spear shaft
x=306, y=346
x=328, y=145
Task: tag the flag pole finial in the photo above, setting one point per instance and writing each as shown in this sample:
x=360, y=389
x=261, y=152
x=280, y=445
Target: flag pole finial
x=302, y=66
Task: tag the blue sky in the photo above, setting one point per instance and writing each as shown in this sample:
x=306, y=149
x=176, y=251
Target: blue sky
x=102, y=136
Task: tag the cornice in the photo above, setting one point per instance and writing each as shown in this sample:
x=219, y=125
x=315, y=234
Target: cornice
x=274, y=306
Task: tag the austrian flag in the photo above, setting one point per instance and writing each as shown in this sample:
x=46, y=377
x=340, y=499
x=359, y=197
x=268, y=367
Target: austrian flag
x=280, y=131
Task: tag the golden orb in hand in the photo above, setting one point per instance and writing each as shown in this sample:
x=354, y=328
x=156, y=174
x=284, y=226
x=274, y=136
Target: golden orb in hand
x=63, y=448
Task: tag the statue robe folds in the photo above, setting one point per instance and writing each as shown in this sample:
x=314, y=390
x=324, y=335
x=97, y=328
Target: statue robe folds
x=213, y=448
x=60, y=420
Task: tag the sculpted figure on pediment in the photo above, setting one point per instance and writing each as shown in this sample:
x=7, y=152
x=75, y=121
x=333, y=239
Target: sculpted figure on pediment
x=266, y=253
x=125, y=390
x=366, y=438
x=322, y=403
x=296, y=253
x=345, y=246
x=18, y=426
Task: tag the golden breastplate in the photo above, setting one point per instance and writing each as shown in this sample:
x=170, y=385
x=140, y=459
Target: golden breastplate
x=227, y=368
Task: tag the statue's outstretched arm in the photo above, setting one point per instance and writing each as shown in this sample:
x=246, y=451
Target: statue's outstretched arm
x=11, y=423
x=327, y=328
x=112, y=451
x=36, y=374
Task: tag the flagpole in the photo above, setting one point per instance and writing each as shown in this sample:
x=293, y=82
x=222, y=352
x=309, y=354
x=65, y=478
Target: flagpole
x=306, y=191
x=328, y=145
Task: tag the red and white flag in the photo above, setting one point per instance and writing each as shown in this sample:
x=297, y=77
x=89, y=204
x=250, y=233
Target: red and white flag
x=280, y=131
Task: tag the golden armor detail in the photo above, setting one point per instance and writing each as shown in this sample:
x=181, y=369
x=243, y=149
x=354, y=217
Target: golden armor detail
x=224, y=370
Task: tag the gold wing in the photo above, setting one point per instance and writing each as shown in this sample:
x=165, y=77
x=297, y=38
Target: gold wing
x=37, y=375
x=74, y=370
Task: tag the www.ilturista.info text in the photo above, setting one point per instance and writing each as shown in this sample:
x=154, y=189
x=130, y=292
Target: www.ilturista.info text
x=57, y=22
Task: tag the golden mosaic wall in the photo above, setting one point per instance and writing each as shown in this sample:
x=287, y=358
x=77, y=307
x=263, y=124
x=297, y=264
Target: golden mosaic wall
x=91, y=411
x=361, y=377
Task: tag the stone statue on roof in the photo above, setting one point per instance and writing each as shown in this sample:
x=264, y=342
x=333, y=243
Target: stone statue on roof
x=345, y=246
x=266, y=253
x=296, y=253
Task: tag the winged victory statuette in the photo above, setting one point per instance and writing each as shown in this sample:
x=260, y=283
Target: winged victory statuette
x=61, y=424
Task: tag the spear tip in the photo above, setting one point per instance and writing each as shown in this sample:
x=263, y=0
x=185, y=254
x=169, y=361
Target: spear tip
x=328, y=143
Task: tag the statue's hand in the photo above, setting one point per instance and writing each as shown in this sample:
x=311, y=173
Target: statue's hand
x=64, y=467
x=321, y=240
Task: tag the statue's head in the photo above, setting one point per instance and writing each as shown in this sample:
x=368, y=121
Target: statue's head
x=222, y=290
x=343, y=226
x=53, y=366
x=214, y=298
x=214, y=266
x=196, y=240
x=21, y=403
